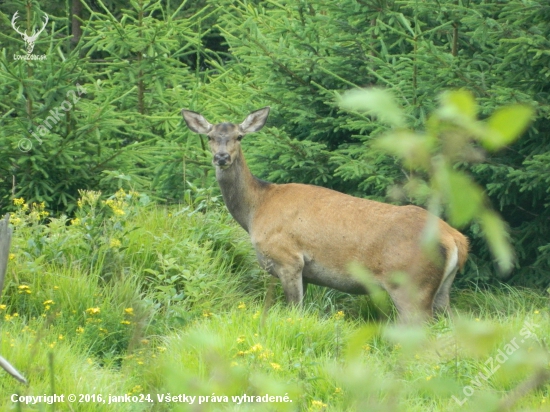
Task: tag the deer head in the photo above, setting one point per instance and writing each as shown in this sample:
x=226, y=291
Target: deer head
x=29, y=40
x=225, y=138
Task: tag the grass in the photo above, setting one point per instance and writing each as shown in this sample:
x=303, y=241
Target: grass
x=162, y=302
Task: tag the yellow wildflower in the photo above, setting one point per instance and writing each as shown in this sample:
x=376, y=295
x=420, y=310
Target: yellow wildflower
x=240, y=339
x=126, y=322
x=206, y=313
x=275, y=366
x=60, y=337
x=241, y=305
x=93, y=311
x=24, y=289
x=12, y=256
x=3, y=307
x=137, y=389
x=80, y=329
x=18, y=202
x=536, y=312
x=103, y=330
x=48, y=302
x=115, y=243
x=15, y=221
x=256, y=348
x=75, y=222
x=318, y=404
x=339, y=315
x=265, y=354
x=338, y=391
x=129, y=311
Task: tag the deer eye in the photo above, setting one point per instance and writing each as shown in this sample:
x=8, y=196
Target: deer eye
x=239, y=137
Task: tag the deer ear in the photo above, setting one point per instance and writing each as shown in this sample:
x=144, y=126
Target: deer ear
x=254, y=121
x=196, y=122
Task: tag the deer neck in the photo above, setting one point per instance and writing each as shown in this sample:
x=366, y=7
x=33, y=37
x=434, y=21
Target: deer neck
x=242, y=192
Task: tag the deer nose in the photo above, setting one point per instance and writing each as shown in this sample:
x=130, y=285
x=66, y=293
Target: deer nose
x=221, y=159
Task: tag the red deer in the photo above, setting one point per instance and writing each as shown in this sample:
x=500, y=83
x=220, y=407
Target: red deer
x=309, y=234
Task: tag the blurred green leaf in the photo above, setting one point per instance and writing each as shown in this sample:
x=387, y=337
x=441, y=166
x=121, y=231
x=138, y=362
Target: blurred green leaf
x=465, y=198
x=375, y=101
x=376, y=293
x=414, y=149
x=410, y=337
x=478, y=337
x=460, y=102
x=497, y=236
x=506, y=125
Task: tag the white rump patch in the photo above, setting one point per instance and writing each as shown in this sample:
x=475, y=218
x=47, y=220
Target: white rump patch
x=452, y=263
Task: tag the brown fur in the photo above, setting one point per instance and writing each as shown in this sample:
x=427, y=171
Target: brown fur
x=308, y=234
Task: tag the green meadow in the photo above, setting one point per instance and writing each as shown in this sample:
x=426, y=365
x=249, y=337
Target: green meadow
x=132, y=306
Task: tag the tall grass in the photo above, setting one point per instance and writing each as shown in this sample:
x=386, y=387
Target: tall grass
x=128, y=297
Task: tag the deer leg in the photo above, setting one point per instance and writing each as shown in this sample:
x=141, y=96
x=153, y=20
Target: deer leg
x=441, y=300
x=288, y=268
x=413, y=303
x=410, y=308
x=290, y=275
x=304, y=287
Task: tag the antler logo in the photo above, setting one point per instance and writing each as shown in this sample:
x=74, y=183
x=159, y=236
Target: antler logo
x=29, y=40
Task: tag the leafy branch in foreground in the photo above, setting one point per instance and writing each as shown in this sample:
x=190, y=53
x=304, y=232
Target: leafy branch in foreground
x=453, y=134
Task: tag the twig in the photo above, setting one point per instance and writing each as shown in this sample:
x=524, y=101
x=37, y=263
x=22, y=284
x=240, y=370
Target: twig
x=12, y=371
x=5, y=241
x=536, y=380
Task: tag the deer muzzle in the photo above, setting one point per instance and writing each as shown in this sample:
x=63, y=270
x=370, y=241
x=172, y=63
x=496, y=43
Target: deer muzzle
x=222, y=159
